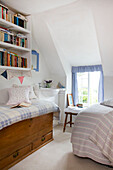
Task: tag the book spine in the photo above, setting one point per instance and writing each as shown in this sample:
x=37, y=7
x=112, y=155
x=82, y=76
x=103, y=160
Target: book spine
x=26, y=62
x=13, y=19
x=20, y=62
x=23, y=62
x=25, y=42
x=21, y=23
x=8, y=59
x=9, y=17
x=5, y=58
x=12, y=60
x=0, y=12
x=5, y=37
x=17, y=41
x=15, y=60
x=0, y=57
x=4, y=13
x=17, y=20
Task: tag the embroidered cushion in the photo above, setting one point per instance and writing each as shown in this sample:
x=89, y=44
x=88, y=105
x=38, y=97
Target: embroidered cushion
x=31, y=92
x=18, y=95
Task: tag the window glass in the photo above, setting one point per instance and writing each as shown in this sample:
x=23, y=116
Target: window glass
x=94, y=84
x=88, y=83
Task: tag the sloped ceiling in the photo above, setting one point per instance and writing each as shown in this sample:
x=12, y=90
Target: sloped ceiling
x=71, y=32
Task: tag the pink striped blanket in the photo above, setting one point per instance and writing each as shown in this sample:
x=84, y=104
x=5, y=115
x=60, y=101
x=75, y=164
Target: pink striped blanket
x=92, y=134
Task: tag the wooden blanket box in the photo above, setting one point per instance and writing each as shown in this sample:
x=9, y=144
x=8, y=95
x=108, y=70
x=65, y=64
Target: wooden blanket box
x=19, y=140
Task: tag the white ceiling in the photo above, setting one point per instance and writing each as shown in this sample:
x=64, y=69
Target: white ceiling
x=35, y=6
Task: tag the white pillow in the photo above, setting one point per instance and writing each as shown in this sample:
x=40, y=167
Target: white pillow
x=18, y=95
x=108, y=103
x=4, y=96
x=36, y=90
x=31, y=92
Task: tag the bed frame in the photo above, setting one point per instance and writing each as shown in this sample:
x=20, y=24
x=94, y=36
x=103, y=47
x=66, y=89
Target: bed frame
x=19, y=140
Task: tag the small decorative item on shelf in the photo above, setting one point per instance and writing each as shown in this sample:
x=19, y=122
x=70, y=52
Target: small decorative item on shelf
x=79, y=105
x=60, y=85
x=48, y=83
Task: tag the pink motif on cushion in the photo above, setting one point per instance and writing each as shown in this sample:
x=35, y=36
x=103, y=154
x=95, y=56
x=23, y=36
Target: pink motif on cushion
x=18, y=95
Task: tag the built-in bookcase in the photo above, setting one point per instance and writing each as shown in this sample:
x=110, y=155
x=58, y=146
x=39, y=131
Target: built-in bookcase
x=24, y=52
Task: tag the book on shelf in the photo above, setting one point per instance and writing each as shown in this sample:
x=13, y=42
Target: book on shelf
x=8, y=58
x=23, y=104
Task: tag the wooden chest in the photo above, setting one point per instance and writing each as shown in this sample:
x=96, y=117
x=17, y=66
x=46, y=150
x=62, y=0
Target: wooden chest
x=21, y=139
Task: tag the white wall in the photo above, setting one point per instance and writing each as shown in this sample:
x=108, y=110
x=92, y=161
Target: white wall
x=108, y=87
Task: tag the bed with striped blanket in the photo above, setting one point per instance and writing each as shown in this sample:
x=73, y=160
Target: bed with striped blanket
x=92, y=134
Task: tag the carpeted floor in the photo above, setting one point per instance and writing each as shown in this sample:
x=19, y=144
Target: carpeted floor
x=57, y=155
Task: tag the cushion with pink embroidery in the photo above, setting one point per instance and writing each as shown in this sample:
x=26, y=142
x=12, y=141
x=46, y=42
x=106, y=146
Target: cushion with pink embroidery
x=31, y=92
x=18, y=95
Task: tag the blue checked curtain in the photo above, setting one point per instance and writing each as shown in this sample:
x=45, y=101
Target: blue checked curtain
x=92, y=68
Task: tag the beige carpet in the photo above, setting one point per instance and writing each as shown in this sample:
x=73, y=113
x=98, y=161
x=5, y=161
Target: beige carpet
x=57, y=155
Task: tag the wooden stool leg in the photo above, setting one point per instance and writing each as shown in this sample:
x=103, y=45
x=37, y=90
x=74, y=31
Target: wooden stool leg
x=65, y=122
x=70, y=120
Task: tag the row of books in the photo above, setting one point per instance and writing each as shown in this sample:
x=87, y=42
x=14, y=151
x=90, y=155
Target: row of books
x=12, y=38
x=17, y=19
x=12, y=59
